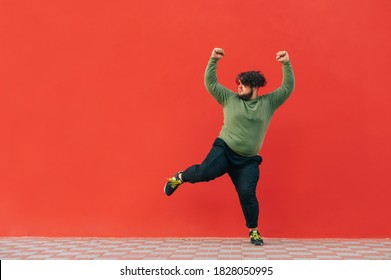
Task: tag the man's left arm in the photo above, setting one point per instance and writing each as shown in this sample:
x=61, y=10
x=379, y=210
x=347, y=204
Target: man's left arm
x=280, y=95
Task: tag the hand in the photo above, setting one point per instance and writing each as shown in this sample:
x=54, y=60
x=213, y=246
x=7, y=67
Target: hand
x=282, y=56
x=218, y=53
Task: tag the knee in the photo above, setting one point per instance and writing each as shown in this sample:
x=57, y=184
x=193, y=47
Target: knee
x=198, y=173
x=207, y=175
x=247, y=196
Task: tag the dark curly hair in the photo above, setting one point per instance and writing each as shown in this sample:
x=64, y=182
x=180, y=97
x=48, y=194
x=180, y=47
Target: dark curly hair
x=251, y=78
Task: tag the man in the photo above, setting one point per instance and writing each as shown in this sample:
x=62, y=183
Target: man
x=246, y=119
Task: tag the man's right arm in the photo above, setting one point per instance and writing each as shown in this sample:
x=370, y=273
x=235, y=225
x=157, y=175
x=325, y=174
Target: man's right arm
x=219, y=92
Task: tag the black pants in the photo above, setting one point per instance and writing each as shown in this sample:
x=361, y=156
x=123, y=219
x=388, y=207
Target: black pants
x=244, y=173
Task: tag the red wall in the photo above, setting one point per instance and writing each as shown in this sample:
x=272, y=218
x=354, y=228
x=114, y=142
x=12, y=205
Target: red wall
x=100, y=101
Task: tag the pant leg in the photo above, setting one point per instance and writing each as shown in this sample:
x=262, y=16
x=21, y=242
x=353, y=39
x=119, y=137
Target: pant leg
x=214, y=165
x=245, y=176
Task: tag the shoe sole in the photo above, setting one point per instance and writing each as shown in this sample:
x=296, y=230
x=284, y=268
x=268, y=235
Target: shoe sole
x=257, y=244
x=164, y=190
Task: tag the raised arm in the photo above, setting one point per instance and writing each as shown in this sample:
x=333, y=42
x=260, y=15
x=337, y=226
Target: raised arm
x=280, y=95
x=219, y=92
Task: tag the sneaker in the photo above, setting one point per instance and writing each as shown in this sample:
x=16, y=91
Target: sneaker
x=255, y=238
x=172, y=184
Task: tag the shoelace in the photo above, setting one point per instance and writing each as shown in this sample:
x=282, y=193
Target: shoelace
x=255, y=235
x=174, y=182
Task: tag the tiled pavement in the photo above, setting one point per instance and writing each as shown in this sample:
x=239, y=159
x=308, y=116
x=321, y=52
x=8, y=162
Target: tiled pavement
x=28, y=248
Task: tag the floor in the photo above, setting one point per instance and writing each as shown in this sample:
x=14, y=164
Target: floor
x=28, y=248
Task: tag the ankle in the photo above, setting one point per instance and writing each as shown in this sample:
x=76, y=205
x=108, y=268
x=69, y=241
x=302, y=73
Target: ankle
x=180, y=176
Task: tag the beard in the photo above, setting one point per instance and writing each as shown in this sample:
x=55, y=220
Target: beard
x=246, y=96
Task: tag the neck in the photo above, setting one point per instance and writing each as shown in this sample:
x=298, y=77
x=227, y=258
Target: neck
x=254, y=95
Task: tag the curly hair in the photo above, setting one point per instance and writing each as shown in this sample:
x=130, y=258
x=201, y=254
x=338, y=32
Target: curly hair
x=251, y=78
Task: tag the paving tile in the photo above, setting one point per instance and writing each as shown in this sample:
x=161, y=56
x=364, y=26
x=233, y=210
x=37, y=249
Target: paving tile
x=331, y=257
x=301, y=253
x=51, y=251
x=113, y=253
x=352, y=254
x=160, y=254
x=227, y=250
x=230, y=256
x=22, y=253
x=337, y=250
x=39, y=257
x=355, y=247
x=181, y=257
x=185, y=251
x=87, y=256
x=96, y=251
x=315, y=246
x=80, y=248
x=386, y=250
x=376, y=257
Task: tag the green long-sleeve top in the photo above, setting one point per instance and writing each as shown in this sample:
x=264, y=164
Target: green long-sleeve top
x=246, y=122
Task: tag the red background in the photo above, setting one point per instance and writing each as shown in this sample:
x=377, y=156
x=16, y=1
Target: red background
x=100, y=101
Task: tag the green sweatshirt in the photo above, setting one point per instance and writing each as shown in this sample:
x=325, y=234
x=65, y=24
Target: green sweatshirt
x=246, y=122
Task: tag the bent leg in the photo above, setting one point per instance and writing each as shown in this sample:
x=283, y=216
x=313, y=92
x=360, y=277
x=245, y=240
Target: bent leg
x=214, y=165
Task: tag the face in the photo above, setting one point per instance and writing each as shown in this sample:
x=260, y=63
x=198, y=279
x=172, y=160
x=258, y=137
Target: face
x=244, y=92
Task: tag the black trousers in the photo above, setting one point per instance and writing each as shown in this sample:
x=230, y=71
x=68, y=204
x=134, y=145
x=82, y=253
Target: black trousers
x=244, y=173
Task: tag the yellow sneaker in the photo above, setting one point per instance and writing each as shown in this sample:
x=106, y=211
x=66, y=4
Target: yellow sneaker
x=172, y=184
x=255, y=238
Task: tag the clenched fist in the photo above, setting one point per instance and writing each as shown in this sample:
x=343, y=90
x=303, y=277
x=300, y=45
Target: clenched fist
x=218, y=53
x=282, y=56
